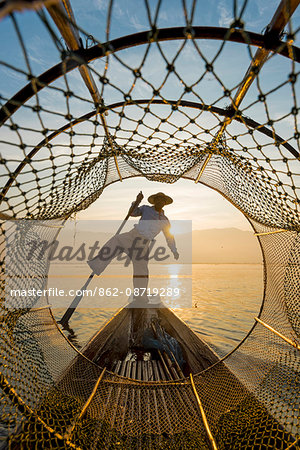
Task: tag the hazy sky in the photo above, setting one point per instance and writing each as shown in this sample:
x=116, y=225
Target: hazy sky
x=205, y=207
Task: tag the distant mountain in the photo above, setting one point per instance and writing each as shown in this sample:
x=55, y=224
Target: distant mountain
x=219, y=245
x=225, y=245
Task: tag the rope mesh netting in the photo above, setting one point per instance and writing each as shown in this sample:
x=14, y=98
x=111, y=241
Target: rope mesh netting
x=215, y=104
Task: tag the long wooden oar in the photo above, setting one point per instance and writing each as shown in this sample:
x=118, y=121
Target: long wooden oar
x=66, y=317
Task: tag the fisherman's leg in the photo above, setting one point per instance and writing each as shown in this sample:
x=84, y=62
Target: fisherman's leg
x=140, y=282
x=141, y=272
x=110, y=250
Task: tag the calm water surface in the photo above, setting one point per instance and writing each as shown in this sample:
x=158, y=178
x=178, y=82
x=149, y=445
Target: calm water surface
x=225, y=299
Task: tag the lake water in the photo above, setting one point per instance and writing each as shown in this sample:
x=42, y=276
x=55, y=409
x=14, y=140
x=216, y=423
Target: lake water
x=225, y=300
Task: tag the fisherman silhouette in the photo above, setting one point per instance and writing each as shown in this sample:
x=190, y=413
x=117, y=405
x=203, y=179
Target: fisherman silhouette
x=135, y=243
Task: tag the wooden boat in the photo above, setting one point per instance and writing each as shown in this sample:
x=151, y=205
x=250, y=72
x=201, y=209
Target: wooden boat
x=131, y=388
x=135, y=335
x=150, y=354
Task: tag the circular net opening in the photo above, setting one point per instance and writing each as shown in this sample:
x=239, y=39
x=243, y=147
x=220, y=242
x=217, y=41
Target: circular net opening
x=165, y=94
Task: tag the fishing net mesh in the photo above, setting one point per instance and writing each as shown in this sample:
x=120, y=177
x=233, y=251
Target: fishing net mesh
x=167, y=103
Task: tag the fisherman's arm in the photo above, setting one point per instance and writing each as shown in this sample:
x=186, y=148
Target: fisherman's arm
x=170, y=240
x=137, y=211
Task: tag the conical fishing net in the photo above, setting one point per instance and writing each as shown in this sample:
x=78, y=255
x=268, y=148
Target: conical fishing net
x=182, y=93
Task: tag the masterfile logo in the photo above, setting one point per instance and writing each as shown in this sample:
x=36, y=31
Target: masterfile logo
x=49, y=262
